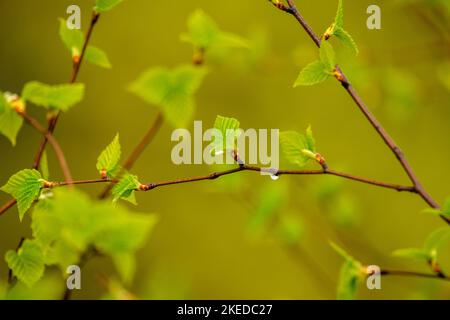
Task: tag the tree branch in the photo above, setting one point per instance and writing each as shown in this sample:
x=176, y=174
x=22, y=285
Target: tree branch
x=54, y=143
x=419, y=189
x=401, y=273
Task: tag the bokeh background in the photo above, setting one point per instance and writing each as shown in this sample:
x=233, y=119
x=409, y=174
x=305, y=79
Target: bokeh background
x=249, y=237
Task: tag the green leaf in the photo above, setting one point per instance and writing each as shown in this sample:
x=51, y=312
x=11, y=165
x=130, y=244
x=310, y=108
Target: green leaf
x=297, y=148
x=445, y=211
x=436, y=240
x=327, y=56
x=97, y=57
x=349, y=279
x=108, y=161
x=412, y=253
x=290, y=229
x=27, y=264
x=25, y=187
x=60, y=97
x=171, y=90
x=73, y=39
x=313, y=73
x=125, y=188
x=339, y=20
x=204, y=33
x=105, y=5
x=229, y=129
x=346, y=39
x=43, y=166
x=10, y=121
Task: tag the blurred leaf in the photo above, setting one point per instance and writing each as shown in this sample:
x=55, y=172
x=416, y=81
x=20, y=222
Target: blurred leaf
x=125, y=188
x=350, y=275
x=10, y=121
x=436, y=240
x=313, y=73
x=60, y=97
x=290, y=229
x=171, y=90
x=108, y=161
x=27, y=264
x=204, y=33
x=105, y=5
x=229, y=129
x=72, y=38
x=25, y=187
x=413, y=253
x=47, y=288
x=445, y=211
x=97, y=57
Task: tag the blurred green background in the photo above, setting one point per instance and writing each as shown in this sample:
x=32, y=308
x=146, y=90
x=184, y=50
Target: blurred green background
x=214, y=240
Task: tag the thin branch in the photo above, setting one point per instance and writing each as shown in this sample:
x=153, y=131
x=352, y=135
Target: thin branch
x=138, y=150
x=401, y=273
x=242, y=168
x=419, y=189
x=54, y=143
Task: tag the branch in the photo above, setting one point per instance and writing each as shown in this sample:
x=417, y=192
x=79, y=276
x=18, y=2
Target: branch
x=419, y=189
x=54, y=143
x=401, y=273
x=242, y=168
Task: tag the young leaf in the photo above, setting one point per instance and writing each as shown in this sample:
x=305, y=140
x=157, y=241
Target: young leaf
x=72, y=38
x=125, y=188
x=25, y=187
x=445, y=211
x=349, y=279
x=229, y=129
x=105, y=5
x=171, y=90
x=337, y=29
x=204, y=33
x=108, y=161
x=297, y=148
x=98, y=57
x=346, y=39
x=413, y=253
x=314, y=73
x=43, y=166
x=327, y=56
x=27, y=264
x=436, y=240
x=10, y=121
x=350, y=275
x=60, y=97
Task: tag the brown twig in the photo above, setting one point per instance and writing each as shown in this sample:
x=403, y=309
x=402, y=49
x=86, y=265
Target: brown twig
x=418, y=188
x=54, y=143
x=401, y=273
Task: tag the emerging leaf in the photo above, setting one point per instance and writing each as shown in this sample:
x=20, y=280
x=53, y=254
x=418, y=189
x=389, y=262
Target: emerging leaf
x=27, y=264
x=229, y=129
x=125, y=188
x=60, y=97
x=337, y=29
x=171, y=90
x=297, y=148
x=72, y=38
x=43, y=166
x=205, y=34
x=25, y=187
x=436, y=240
x=105, y=5
x=314, y=73
x=10, y=121
x=445, y=211
x=108, y=161
x=346, y=39
x=97, y=56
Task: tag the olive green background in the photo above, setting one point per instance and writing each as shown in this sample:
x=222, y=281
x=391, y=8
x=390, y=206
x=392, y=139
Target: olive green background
x=201, y=248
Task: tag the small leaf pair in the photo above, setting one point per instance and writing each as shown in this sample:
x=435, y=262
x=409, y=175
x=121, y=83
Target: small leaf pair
x=320, y=70
x=73, y=39
x=300, y=149
x=171, y=90
x=337, y=29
